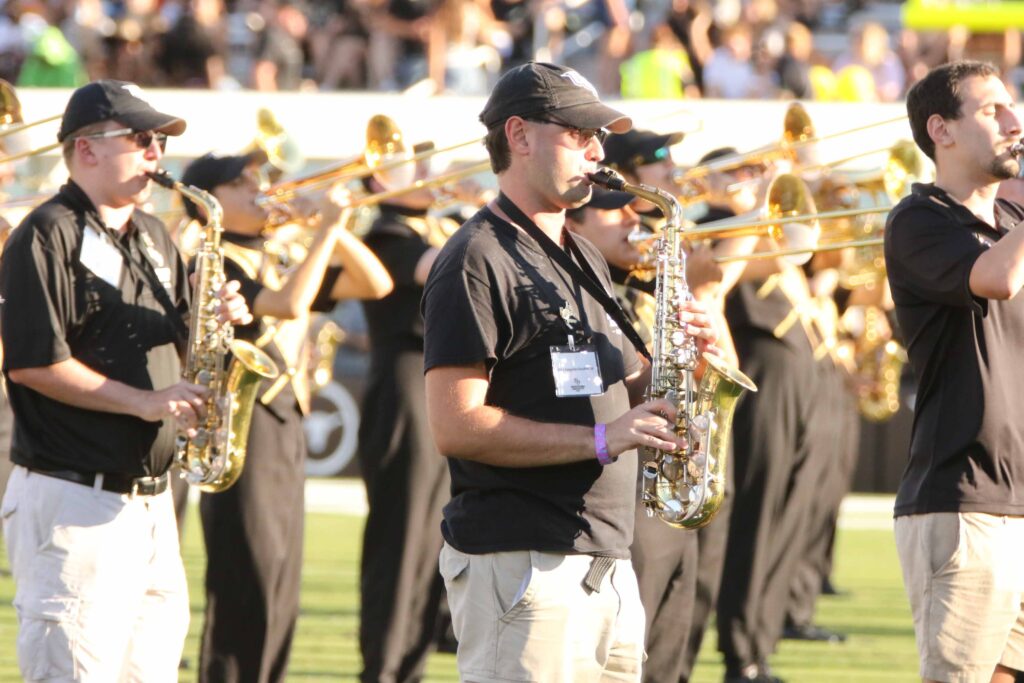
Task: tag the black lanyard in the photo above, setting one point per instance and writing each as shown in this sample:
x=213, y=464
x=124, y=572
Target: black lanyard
x=582, y=273
x=147, y=270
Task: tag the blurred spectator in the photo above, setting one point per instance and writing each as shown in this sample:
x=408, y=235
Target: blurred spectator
x=590, y=36
x=279, y=51
x=516, y=18
x=794, y=66
x=86, y=28
x=339, y=46
x=462, y=58
x=691, y=23
x=399, y=33
x=869, y=48
x=663, y=71
x=190, y=53
x=50, y=60
x=855, y=83
x=729, y=73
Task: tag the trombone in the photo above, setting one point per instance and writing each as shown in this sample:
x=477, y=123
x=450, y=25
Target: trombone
x=385, y=150
x=798, y=132
x=12, y=122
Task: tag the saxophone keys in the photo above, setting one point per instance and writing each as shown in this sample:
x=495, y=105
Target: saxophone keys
x=672, y=468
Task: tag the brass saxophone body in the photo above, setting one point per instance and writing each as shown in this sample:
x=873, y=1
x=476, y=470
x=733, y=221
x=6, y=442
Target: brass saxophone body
x=684, y=489
x=213, y=459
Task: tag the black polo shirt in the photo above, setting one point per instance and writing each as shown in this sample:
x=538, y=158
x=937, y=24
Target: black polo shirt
x=967, y=444
x=56, y=307
x=493, y=297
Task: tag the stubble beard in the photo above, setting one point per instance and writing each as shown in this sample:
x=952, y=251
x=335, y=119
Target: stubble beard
x=1005, y=169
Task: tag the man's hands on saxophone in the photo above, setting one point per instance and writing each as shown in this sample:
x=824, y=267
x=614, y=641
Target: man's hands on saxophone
x=184, y=401
x=652, y=423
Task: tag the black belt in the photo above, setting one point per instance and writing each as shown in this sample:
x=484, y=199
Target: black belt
x=115, y=483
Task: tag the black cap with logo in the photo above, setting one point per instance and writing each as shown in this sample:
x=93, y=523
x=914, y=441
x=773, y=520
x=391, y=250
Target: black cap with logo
x=540, y=89
x=211, y=170
x=108, y=100
x=638, y=148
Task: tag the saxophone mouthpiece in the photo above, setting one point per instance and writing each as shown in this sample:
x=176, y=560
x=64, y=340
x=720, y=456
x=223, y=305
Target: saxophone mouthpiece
x=1017, y=149
x=162, y=177
x=606, y=177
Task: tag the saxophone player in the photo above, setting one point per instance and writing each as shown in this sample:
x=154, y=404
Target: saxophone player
x=254, y=530
x=531, y=371
x=95, y=302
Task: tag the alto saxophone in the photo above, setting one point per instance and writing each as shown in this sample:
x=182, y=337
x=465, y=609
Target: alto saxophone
x=685, y=488
x=213, y=459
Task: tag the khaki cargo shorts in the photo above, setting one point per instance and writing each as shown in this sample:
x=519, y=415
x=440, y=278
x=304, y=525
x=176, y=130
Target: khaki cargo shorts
x=964, y=575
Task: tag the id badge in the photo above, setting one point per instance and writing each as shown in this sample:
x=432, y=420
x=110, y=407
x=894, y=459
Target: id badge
x=576, y=370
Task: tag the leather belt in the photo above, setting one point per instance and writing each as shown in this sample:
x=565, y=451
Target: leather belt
x=115, y=483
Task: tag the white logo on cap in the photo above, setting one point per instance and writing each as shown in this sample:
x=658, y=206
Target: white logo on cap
x=579, y=81
x=134, y=91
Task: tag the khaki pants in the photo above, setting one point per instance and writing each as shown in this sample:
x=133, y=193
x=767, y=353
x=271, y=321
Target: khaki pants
x=525, y=616
x=100, y=587
x=964, y=575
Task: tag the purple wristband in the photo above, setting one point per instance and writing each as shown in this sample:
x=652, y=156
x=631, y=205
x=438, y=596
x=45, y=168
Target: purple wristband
x=601, y=445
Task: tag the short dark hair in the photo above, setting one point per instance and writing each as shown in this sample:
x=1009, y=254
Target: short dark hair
x=940, y=92
x=498, y=149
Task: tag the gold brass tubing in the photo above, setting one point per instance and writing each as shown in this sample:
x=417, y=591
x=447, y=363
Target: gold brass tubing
x=725, y=230
x=758, y=255
x=29, y=153
x=422, y=183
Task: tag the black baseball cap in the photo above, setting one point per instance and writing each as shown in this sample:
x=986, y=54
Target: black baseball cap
x=210, y=171
x=108, y=100
x=601, y=198
x=539, y=89
x=638, y=148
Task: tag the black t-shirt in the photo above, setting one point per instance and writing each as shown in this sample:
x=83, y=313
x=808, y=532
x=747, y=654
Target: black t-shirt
x=493, y=297
x=56, y=308
x=967, y=444
x=395, y=322
x=250, y=288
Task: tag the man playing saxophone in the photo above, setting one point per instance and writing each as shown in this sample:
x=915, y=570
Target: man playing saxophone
x=95, y=302
x=254, y=530
x=531, y=371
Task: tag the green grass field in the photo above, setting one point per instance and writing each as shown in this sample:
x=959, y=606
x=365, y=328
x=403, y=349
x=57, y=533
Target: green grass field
x=874, y=613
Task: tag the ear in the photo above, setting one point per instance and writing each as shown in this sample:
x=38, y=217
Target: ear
x=939, y=131
x=518, y=135
x=84, y=152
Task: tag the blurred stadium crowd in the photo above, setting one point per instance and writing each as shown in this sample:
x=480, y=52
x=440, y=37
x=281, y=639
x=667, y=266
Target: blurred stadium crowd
x=808, y=49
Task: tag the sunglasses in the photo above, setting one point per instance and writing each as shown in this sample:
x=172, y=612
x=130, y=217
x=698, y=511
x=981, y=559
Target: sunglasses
x=583, y=136
x=142, y=138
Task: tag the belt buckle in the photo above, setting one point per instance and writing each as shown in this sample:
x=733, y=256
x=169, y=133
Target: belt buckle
x=145, y=486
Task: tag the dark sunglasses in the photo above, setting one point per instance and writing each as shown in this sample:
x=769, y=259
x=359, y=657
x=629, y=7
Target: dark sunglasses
x=582, y=135
x=142, y=138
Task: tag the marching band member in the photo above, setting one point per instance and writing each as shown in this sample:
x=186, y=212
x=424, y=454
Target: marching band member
x=406, y=480
x=537, y=533
x=254, y=530
x=955, y=262
x=94, y=317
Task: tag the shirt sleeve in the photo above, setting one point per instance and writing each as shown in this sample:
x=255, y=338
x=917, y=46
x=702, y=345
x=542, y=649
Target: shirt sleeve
x=38, y=298
x=400, y=255
x=931, y=257
x=324, y=301
x=248, y=288
x=459, y=315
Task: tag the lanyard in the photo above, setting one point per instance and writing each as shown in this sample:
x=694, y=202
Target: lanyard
x=146, y=270
x=582, y=273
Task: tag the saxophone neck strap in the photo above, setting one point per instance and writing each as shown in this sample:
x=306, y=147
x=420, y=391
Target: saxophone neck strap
x=582, y=272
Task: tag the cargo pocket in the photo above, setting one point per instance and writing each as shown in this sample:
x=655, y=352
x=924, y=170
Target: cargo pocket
x=453, y=565
x=46, y=649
